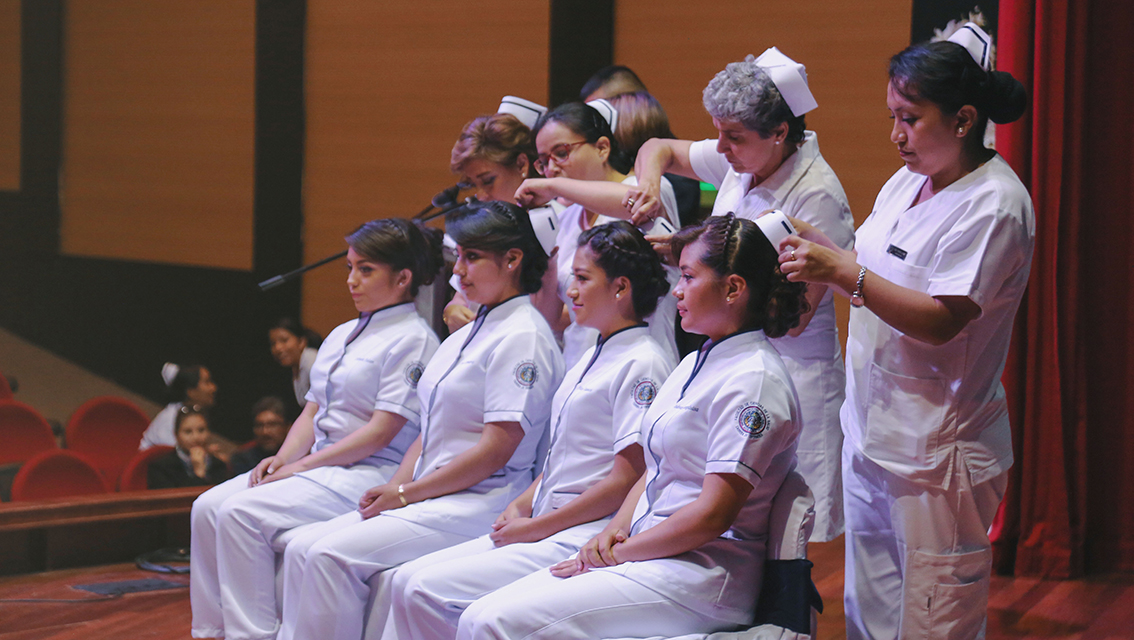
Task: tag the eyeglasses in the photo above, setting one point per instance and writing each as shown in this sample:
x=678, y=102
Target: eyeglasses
x=560, y=153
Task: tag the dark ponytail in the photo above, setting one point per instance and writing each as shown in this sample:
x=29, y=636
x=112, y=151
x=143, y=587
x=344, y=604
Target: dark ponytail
x=621, y=250
x=401, y=244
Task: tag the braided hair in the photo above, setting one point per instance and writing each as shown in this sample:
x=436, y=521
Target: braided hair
x=498, y=226
x=621, y=250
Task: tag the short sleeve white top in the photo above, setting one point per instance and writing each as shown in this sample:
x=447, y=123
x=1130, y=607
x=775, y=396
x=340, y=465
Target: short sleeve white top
x=160, y=431
x=572, y=223
x=367, y=365
x=301, y=383
x=909, y=403
x=502, y=367
x=729, y=408
x=597, y=412
x=804, y=186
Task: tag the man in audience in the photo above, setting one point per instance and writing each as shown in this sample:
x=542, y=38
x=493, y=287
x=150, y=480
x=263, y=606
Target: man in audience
x=269, y=426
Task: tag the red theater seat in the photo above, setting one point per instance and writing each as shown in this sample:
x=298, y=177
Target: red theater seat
x=134, y=476
x=57, y=474
x=23, y=432
x=107, y=430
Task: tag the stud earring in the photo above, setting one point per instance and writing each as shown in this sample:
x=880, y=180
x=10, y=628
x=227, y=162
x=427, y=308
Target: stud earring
x=961, y=130
x=618, y=296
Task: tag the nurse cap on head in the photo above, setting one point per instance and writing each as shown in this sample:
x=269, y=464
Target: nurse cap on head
x=169, y=373
x=790, y=79
x=525, y=111
x=775, y=226
x=607, y=111
x=546, y=226
x=976, y=42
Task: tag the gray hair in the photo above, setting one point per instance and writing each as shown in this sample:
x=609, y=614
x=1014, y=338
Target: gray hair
x=745, y=93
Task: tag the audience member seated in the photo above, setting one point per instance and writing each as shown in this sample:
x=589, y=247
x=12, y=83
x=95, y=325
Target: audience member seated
x=188, y=385
x=189, y=465
x=269, y=427
x=294, y=347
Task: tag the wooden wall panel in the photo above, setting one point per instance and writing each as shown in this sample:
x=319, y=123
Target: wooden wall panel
x=10, y=95
x=677, y=47
x=389, y=86
x=158, y=131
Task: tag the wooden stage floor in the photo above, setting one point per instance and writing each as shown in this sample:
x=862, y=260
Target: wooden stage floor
x=1095, y=608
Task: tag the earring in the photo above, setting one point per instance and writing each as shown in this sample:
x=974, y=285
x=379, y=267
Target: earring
x=961, y=131
x=510, y=266
x=618, y=296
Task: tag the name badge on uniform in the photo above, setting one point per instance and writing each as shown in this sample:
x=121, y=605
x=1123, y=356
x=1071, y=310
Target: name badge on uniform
x=897, y=252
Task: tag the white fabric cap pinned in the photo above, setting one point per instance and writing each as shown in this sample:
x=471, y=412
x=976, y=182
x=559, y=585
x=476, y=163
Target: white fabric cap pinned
x=975, y=41
x=775, y=226
x=607, y=110
x=169, y=373
x=790, y=78
x=525, y=111
x=546, y=226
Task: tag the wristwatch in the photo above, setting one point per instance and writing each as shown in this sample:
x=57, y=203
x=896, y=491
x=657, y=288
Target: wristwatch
x=856, y=298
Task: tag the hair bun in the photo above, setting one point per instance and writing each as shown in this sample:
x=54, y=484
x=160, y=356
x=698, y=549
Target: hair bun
x=1007, y=98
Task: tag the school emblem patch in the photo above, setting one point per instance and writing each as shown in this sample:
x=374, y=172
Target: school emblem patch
x=644, y=392
x=752, y=420
x=413, y=372
x=526, y=374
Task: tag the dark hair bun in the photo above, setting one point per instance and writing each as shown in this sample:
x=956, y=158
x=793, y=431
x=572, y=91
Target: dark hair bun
x=1007, y=98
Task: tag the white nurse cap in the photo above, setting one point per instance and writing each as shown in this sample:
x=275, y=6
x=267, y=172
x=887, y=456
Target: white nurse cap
x=790, y=78
x=975, y=41
x=607, y=110
x=525, y=111
x=169, y=373
x=775, y=226
x=546, y=226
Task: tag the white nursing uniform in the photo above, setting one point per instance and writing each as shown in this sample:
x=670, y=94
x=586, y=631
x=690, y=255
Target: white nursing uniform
x=365, y=365
x=928, y=444
x=597, y=412
x=572, y=223
x=804, y=187
x=301, y=383
x=502, y=367
x=160, y=433
x=730, y=408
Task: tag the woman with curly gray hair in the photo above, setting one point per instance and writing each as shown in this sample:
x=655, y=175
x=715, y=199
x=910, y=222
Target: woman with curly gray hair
x=765, y=158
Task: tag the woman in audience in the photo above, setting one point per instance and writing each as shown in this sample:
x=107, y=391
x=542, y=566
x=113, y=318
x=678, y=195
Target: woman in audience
x=187, y=385
x=685, y=552
x=765, y=158
x=290, y=346
x=594, y=458
x=485, y=400
x=360, y=418
x=189, y=465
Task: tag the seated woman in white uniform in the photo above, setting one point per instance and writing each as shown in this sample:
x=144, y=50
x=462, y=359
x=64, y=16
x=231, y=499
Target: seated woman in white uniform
x=594, y=458
x=486, y=402
x=187, y=385
x=586, y=166
x=685, y=552
x=765, y=158
x=360, y=418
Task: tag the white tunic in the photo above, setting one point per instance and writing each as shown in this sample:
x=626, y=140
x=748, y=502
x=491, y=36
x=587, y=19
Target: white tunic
x=572, y=221
x=301, y=383
x=805, y=187
x=909, y=404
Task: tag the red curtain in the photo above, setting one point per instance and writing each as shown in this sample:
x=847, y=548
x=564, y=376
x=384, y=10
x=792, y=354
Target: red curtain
x=1070, y=501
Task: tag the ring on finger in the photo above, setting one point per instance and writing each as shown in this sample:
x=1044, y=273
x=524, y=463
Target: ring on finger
x=629, y=202
x=793, y=255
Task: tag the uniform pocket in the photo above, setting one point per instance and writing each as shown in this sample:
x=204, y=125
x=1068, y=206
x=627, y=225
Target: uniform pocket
x=946, y=596
x=904, y=418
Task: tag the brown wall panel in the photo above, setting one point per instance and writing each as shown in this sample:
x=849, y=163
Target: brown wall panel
x=677, y=47
x=9, y=95
x=158, y=131
x=389, y=86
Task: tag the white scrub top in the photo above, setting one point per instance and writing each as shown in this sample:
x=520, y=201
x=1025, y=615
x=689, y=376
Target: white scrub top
x=909, y=404
x=597, y=412
x=160, y=432
x=578, y=339
x=502, y=367
x=728, y=408
x=301, y=383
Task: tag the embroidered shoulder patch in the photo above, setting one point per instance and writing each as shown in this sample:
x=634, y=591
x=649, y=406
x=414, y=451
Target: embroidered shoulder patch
x=413, y=372
x=644, y=392
x=752, y=420
x=526, y=374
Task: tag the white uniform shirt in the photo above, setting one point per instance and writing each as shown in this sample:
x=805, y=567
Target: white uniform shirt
x=502, y=367
x=729, y=408
x=597, y=412
x=160, y=431
x=301, y=383
x=577, y=339
x=367, y=365
x=910, y=403
x=805, y=187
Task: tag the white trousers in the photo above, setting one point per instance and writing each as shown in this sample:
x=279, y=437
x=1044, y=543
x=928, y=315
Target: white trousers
x=237, y=533
x=596, y=604
x=918, y=558
x=425, y=598
x=329, y=568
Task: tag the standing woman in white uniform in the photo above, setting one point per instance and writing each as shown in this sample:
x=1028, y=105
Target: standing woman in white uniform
x=941, y=266
x=685, y=553
x=586, y=166
x=594, y=458
x=290, y=347
x=765, y=158
x=486, y=402
x=360, y=418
